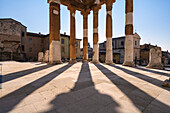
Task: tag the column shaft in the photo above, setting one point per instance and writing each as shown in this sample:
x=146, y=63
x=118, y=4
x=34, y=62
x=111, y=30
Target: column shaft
x=129, y=46
x=95, y=35
x=54, y=38
x=85, y=37
x=72, y=36
x=109, y=53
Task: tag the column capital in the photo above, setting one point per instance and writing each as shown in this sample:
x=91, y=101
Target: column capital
x=96, y=9
x=85, y=13
x=109, y=4
x=54, y=1
x=72, y=9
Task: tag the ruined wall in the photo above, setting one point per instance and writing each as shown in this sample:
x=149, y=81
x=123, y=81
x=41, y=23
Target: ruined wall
x=11, y=33
x=10, y=28
x=155, y=58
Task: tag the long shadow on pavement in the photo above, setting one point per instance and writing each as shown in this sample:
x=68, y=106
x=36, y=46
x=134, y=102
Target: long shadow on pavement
x=8, y=102
x=83, y=98
x=11, y=76
x=139, y=98
x=147, y=78
x=152, y=71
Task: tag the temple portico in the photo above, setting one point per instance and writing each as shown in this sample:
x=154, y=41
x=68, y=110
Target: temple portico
x=85, y=6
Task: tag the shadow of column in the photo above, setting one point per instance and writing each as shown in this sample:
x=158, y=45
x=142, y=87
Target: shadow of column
x=18, y=95
x=152, y=71
x=15, y=75
x=83, y=98
x=149, y=79
x=139, y=98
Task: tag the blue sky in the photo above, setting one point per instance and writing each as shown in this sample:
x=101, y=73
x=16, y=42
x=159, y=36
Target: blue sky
x=151, y=19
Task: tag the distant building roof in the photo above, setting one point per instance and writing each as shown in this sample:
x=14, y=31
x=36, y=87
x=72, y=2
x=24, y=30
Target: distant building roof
x=43, y=36
x=36, y=35
x=10, y=19
x=123, y=37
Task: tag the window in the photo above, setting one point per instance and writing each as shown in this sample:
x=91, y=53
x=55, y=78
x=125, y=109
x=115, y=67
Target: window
x=23, y=48
x=122, y=43
x=30, y=49
x=62, y=41
x=30, y=40
x=135, y=43
x=22, y=34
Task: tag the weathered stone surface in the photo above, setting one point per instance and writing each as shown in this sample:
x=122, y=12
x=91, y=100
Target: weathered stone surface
x=155, y=58
x=46, y=56
x=40, y=56
x=166, y=83
x=81, y=88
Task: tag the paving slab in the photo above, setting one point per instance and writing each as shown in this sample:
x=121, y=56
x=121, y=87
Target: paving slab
x=33, y=87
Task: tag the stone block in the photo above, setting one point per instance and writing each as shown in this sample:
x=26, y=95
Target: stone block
x=155, y=58
x=40, y=56
x=166, y=83
x=46, y=56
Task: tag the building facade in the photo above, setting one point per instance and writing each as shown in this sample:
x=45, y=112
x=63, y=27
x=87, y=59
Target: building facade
x=37, y=42
x=12, y=35
x=166, y=58
x=18, y=44
x=118, y=45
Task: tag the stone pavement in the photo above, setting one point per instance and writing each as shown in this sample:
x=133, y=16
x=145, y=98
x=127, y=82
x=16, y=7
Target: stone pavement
x=82, y=88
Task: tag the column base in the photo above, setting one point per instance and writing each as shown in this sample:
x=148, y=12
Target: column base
x=109, y=62
x=129, y=63
x=85, y=61
x=55, y=62
x=72, y=61
x=95, y=62
x=155, y=66
x=45, y=62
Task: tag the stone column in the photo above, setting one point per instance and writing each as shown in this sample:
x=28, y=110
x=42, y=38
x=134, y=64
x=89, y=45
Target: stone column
x=109, y=52
x=72, y=35
x=95, y=35
x=54, y=38
x=129, y=49
x=85, y=36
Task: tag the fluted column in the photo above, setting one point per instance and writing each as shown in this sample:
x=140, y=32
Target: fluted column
x=109, y=52
x=54, y=38
x=72, y=35
x=85, y=36
x=129, y=49
x=95, y=35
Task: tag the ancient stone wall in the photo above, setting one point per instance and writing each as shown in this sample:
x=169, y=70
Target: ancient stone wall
x=40, y=56
x=155, y=58
x=46, y=56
